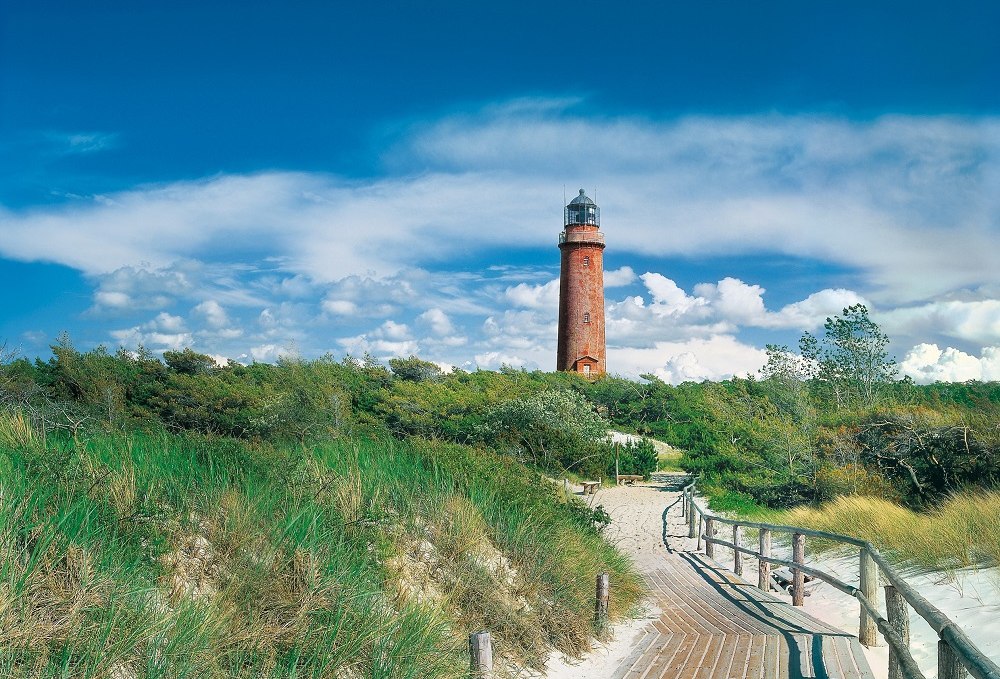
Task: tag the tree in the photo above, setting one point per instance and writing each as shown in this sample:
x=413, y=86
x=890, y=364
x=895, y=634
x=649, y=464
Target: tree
x=850, y=361
x=413, y=369
x=189, y=362
x=550, y=425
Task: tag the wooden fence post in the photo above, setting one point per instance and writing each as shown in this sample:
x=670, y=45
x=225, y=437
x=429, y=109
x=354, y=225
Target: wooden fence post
x=701, y=531
x=798, y=579
x=899, y=621
x=709, y=533
x=603, y=595
x=737, y=554
x=763, y=567
x=481, y=654
x=949, y=665
x=868, y=631
x=692, y=516
x=684, y=505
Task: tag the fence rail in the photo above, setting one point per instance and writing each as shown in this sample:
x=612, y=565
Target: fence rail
x=957, y=655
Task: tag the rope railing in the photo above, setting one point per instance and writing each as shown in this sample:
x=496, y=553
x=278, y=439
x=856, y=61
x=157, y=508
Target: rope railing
x=957, y=654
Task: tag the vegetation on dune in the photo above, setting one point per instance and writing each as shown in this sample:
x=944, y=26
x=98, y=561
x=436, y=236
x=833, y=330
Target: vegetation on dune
x=158, y=554
x=963, y=531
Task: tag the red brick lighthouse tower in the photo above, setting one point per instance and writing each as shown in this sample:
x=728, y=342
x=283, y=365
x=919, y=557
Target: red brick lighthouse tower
x=581, y=289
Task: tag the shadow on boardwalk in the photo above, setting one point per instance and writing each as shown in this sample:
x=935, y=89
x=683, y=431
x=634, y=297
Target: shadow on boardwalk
x=714, y=625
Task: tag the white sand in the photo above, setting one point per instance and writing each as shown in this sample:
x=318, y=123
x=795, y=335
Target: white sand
x=970, y=598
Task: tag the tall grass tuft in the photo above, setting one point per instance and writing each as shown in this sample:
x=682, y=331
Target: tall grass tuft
x=17, y=431
x=964, y=531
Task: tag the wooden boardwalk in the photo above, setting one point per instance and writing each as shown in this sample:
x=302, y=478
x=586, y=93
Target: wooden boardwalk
x=715, y=626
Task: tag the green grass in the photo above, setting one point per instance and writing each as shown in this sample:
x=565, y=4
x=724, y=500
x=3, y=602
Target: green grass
x=668, y=458
x=157, y=555
x=735, y=502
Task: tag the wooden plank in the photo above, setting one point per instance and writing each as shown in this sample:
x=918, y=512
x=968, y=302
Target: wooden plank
x=739, y=654
x=650, y=640
x=772, y=651
x=689, y=654
x=715, y=648
x=755, y=658
x=679, y=648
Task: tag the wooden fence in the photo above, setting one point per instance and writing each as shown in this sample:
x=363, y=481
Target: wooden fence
x=957, y=655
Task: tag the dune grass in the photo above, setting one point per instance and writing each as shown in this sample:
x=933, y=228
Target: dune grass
x=962, y=532
x=157, y=555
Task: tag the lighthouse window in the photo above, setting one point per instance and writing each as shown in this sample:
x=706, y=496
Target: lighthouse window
x=586, y=261
x=586, y=317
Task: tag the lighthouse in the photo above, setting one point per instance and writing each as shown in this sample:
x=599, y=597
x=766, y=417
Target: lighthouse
x=581, y=289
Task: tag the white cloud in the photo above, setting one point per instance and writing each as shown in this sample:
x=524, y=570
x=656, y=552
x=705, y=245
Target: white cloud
x=381, y=348
x=619, y=277
x=438, y=322
x=166, y=322
x=813, y=311
x=213, y=313
x=340, y=307
x=713, y=358
x=107, y=298
x=974, y=321
x=545, y=296
x=393, y=331
x=668, y=298
x=721, y=308
x=900, y=199
x=733, y=300
x=493, y=360
x=927, y=363
x=266, y=353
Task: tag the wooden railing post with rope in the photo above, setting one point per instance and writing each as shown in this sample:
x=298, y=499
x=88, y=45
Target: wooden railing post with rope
x=957, y=655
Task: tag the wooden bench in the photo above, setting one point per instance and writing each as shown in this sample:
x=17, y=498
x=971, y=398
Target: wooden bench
x=629, y=479
x=590, y=487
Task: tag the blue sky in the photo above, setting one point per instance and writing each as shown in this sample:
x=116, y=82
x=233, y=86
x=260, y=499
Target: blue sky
x=255, y=180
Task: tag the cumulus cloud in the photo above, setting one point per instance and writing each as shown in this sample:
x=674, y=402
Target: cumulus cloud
x=712, y=358
x=380, y=348
x=812, y=311
x=721, y=308
x=668, y=298
x=340, y=307
x=927, y=363
x=544, y=296
x=620, y=277
x=734, y=300
x=493, y=360
x=213, y=313
x=393, y=331
x=437, y=320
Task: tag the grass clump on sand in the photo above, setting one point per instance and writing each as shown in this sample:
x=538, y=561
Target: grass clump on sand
x=161, y=555
x=963, y=531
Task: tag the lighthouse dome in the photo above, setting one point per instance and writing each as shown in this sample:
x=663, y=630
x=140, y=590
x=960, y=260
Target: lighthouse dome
x=582, y=199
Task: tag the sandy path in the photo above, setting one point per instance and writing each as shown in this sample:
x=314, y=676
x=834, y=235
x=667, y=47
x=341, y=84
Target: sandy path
x=637, y=530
